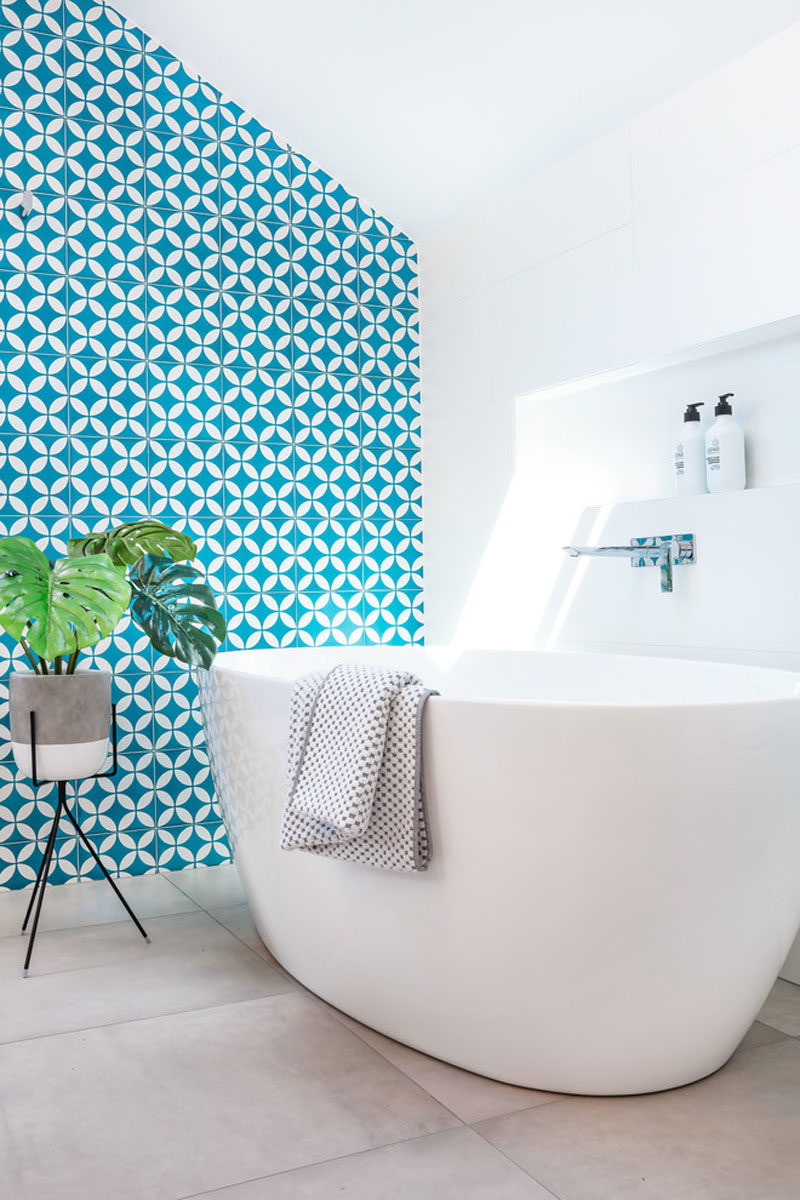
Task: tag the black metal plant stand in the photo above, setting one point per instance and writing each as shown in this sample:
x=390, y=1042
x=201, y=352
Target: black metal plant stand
x=37, y=895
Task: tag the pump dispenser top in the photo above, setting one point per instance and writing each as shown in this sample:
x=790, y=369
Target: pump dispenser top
x=689, y=454
x=722, y=408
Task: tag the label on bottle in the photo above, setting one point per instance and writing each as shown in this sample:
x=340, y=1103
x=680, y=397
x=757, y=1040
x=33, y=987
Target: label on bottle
x=680, y=460
x=712, y=455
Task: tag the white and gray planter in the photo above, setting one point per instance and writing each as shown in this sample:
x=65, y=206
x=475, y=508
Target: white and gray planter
x=73, y=715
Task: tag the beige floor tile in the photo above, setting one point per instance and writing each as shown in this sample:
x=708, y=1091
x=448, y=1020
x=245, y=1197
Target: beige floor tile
x=93, y=902
x=732, y=1136
x=471, y=1097
x=454, y=1165
x=238, y=919
x=168, y=1107
x=210, y=887
x=757, y=1035
x=107, y=973
x=782, y=1009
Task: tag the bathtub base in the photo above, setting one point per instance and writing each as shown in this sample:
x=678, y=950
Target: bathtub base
x=568, y=1056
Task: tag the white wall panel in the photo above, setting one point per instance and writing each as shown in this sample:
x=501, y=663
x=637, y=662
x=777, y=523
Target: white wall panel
x=734, y=118
x=579, y=198
x=552, y=288
x=725, y=259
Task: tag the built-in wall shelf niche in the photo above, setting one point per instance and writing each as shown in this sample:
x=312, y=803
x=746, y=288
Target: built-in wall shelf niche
x=740, y=339
x=628, y=418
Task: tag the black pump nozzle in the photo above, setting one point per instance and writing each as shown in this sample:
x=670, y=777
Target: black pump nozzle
x=691, y=413
x=722, y=408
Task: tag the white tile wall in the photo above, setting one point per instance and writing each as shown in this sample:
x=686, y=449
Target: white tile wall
x=579, y=198
x=563, y=278
x=608, y=445
x=729, y=121
x=726, y=258
x=476, y=453
x=559, y=318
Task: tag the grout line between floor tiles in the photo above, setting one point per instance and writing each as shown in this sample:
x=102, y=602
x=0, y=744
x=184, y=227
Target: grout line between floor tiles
x=102, y=924
x=197, y=902
x=334, y=1012
x=273, y=964
x=180, y=1012
x=340, y=1017
x=774, y=1028
x=519, y=1167
x=320, y=1162
x=124, y=920
x=92, y=966
x=120, y=879
x=329, y=1009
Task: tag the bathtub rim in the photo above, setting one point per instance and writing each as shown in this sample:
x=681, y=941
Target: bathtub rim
x=223, y=661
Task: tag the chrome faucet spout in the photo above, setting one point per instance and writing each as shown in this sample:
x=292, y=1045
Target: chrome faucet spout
x=601, y=551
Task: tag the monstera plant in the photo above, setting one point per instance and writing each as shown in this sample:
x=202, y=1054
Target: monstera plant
x=57, y=609
x=170, y=599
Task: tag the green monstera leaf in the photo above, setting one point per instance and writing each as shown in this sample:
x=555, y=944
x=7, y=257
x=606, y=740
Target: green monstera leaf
x=60, y=608
x=126, y=544
x=176, y=609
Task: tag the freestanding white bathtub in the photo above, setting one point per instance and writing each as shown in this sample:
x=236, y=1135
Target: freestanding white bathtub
x=616, y=862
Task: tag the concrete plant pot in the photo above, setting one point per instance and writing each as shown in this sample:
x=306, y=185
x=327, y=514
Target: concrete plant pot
x=73, y=715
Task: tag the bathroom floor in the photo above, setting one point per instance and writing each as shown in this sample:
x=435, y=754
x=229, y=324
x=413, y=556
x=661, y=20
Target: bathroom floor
x=195, y=1067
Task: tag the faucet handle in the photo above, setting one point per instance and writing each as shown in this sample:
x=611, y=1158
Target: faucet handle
x=668, y=551
x=665, y=565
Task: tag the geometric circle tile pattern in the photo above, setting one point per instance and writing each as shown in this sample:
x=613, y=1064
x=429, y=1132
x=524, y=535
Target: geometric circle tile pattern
x=196, y=322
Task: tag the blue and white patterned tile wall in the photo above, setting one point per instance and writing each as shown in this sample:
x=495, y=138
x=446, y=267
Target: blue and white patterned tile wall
x=198, y=323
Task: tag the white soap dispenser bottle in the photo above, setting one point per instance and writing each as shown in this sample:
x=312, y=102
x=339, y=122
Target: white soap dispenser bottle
x=690, y=454
x=725, y=465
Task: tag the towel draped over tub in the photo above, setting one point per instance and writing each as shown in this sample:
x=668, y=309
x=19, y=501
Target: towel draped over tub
x=354, y=787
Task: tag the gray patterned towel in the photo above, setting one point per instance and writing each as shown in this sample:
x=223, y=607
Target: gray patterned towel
x=355, y=768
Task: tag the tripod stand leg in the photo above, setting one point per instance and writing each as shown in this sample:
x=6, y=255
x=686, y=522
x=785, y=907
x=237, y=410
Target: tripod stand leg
x=44, y=871
x=36, y=885
x=96, y=858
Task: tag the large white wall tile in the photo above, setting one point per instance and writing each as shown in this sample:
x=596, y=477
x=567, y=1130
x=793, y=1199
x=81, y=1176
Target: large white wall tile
x=567, y=317
x=571, y=316
x=724, y=259
x=468, y=463
x=574, y=200
x=738, y=116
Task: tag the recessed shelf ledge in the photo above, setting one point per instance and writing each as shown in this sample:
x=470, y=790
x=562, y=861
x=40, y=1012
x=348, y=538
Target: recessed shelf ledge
x=740, y=339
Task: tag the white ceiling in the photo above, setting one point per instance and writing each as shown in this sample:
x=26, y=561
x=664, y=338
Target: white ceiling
x=428, y=107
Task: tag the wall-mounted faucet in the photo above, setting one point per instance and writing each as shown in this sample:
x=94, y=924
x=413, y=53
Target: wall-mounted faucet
x=664, y=552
